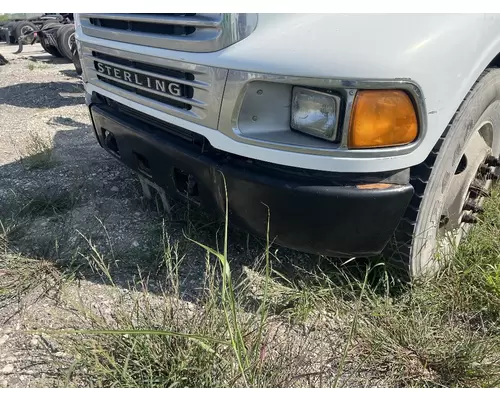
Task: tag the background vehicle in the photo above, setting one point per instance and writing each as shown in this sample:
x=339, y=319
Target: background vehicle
x=55, y=32
x=359, y=134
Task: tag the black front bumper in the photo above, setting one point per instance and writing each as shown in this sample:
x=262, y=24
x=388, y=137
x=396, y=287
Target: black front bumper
x=313, y=212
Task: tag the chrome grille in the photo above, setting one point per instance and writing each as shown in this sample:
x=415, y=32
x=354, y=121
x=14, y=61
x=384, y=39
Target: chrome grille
x=202, y=86
x=183, y=78
x=186, y=32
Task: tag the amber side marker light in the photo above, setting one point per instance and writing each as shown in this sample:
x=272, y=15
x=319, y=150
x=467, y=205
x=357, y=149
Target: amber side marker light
x=382, y=118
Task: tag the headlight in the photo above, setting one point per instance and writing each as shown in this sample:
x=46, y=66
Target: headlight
x=315, y=113
x=382, y=118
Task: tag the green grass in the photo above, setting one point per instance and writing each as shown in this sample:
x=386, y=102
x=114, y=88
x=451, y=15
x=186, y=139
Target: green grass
x=24, y=275
x=37, y=152
x=49, y=203
x=315, y=323
x=37, y=65
x=21, y=208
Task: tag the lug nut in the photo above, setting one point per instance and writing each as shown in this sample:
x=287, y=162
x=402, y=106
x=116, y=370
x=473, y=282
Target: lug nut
x=492, y=161
x=469, y=219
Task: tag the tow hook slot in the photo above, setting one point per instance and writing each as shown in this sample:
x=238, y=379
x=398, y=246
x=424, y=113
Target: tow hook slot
x=143, y=164
x=185, y=183
x=110, y=142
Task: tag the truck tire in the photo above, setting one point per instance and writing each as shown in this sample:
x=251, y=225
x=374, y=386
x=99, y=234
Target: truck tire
x=76, y=58
x=12, y=39
x=65, y=37
x=5, y=35
x=3, y=60
x=50, y=23
x=46, y=46
x=22, y=28
x=450, y=185
x=51, y=50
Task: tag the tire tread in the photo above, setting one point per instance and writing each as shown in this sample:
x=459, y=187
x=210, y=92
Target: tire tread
x=400, y=249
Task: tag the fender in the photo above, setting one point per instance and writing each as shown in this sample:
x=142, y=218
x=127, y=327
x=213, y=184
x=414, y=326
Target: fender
x=444, y=54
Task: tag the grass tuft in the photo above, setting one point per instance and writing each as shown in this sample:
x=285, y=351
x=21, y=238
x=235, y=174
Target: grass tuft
x=49, y=203
x=37, y=152
x=37, y=65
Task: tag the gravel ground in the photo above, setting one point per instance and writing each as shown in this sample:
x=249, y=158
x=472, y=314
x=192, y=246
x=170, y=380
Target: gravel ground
x=42, y=97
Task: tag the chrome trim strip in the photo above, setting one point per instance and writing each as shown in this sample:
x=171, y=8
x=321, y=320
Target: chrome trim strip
x=344, y=135
x=237, y=83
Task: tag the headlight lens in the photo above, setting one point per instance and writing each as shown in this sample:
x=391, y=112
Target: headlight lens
x=315, y=113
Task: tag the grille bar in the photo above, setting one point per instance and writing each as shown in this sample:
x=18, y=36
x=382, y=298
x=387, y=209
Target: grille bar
x=185, y=100
x=155, y=68
x=152, y=97
x=189, y=91
x=193, y=83
x=196, y=20
x=186, y=79
x=127, y=112
x=183, y=32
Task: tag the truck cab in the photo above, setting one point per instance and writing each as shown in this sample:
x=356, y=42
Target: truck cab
x=336, y=134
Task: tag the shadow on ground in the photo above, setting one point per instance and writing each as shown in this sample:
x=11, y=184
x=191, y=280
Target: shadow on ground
x=49, y=59
x=42, y=95
x=69, y=73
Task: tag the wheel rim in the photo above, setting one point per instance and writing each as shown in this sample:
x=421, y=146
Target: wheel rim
x=71, y=40
x=469, y=186
x=25, y=30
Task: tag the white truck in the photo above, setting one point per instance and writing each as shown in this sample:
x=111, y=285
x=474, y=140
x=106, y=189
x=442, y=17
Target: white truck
x=360, y=134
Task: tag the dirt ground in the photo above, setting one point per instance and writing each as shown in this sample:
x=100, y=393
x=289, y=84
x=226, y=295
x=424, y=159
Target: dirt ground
x=97, y=199
x=41, y=96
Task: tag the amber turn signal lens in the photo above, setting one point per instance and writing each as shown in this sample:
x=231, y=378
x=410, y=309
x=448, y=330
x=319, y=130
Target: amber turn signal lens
x=382, y=118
